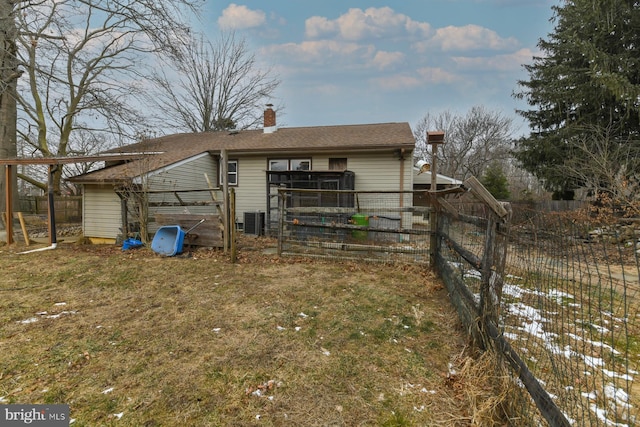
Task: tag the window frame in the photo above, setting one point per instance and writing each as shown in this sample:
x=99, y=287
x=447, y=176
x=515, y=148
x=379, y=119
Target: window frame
x=229, y=173
x=289, y=163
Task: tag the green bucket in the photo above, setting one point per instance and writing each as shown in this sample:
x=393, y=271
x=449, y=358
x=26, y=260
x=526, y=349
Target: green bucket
x=361, y=220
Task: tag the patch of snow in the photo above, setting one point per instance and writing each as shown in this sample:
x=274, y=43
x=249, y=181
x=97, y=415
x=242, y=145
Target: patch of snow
x=602, y=416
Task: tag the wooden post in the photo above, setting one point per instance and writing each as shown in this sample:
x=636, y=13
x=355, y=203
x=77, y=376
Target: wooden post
x=281, y=215
x=232, y=230
x=24, y=229
x=434, y=138
x=124, y=215
x=225, y=197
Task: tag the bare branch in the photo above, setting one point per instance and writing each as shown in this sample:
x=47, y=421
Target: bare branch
x=216, y=87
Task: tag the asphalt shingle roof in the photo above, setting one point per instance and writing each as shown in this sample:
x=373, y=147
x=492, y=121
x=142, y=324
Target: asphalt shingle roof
x=174, y=148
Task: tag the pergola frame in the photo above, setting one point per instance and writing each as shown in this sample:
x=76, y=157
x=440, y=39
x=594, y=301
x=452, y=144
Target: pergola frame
x=52, y=162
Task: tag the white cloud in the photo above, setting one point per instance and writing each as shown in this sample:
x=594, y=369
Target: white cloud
x=241, y=17
x=319, y=51
x=436, y=75
x=316, y=26
x=469, y=37
x=508, y=62
x=422, y=77
x=358, y=24
x=384, y=60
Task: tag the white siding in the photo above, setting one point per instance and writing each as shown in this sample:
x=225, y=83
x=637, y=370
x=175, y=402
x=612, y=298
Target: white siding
x=101, y=212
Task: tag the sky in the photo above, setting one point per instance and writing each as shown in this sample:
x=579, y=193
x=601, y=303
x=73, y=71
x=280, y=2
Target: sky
x=356, y=62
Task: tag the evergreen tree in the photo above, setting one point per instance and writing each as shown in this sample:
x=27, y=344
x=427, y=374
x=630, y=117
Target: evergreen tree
x=496, y=182
x=587, y=78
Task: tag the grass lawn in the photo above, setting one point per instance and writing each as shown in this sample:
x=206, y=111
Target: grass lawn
x=130, y=338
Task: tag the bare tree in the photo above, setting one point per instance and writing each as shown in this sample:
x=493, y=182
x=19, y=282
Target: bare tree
x=9, y=74
x=84, y=63
x=608, y=167
x=218, y=86
x=471, y=143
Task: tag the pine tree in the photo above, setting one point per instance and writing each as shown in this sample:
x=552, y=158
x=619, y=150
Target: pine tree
x=496, y=182
x=587, y=79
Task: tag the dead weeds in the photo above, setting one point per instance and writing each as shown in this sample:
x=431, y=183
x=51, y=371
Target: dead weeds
x=132, y=338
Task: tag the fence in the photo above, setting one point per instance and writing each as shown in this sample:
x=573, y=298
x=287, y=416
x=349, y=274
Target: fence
x=364, y=225
x=67, y=208
x=565, y=315
x=553, y=294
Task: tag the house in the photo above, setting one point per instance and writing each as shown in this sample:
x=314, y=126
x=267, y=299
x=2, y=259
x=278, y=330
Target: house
x=362, y=157
x=422, y=181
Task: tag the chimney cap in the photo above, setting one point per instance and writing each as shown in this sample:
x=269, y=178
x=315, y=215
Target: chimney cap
x=269, y=105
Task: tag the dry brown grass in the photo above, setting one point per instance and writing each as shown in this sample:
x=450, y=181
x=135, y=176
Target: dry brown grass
x=134, y=339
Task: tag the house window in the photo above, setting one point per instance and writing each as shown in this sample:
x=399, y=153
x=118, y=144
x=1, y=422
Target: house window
x=232, y=173
x=337, y=164
x=278, y=165
x=300, y=165
x=290, y=164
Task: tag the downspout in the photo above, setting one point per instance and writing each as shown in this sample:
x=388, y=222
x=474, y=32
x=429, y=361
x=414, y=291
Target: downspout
x=52, y=215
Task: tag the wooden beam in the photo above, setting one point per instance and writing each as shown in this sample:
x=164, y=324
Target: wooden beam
x=72, y=159
x=483, y=194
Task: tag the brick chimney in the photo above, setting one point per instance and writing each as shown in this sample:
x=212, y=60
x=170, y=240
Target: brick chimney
x=269, y=119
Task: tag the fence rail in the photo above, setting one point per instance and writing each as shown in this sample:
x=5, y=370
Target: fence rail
x=376, y=226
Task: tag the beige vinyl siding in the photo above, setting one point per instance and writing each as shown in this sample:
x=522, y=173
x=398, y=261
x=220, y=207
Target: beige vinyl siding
x=251, y=191
x=373, y=172
x=185, y=175
x=378, y=172
x=101, y=212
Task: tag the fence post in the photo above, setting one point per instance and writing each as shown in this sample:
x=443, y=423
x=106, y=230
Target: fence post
x=232, y=227
x=434, y=138
x=280, y=220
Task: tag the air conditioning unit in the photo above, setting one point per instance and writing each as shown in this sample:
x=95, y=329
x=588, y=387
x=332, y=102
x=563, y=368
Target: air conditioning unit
x=254, y=223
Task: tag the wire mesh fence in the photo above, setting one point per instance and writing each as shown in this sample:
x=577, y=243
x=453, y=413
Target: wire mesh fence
x=374, y=226
x=555, y=294
x=568, y=311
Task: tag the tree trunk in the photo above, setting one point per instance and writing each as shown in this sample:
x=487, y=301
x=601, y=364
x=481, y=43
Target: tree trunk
x=9, y=74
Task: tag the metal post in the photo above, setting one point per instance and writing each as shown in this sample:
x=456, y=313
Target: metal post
x=8, y=203
x=51, y=208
